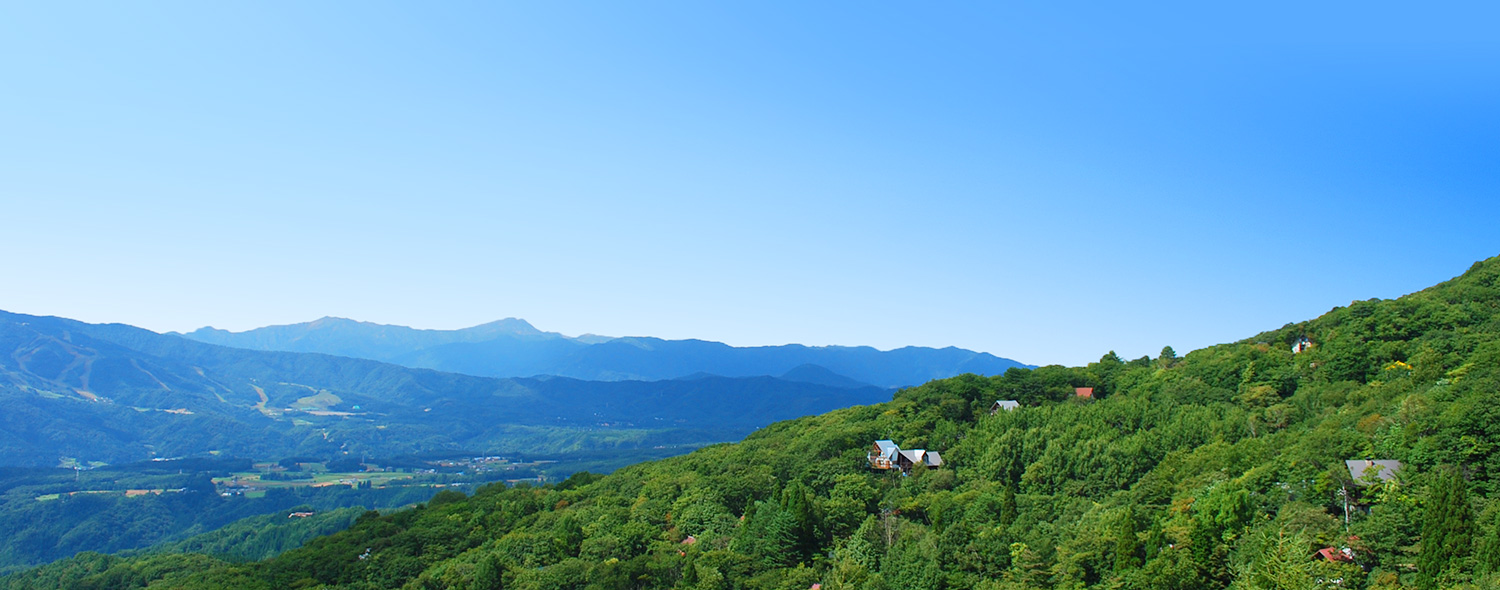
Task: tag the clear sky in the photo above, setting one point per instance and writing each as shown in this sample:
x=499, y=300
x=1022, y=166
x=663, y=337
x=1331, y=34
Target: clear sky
x=1045, y=181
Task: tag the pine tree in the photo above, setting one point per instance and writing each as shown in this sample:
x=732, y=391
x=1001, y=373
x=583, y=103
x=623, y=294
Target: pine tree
x=798, y=503
x=1167, y=358
x=1447, y=527
x=1128, y=545
x=769, y=533
x=690, y=574
x=1489, y=547
x=1007, y=506
x=1283, y=563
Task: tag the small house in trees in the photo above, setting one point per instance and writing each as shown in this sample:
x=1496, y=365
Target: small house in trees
x=906, y=460
x=883, y=454
x=1301, y=344
x=1084, y=392
x=1363, y=470
x=886, y=455
x=1336, y=554
x=1004, y=404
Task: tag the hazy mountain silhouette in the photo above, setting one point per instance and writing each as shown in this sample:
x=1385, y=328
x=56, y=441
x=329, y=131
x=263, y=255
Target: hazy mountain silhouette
x=514, y=348
x=113, y=393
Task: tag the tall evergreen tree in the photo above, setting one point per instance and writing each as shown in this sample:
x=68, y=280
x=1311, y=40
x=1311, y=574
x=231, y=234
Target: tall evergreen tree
x=769, y=534
x=1007, y=506
x=1167, y=358
x=1447, y=526
x=1489, y=547
x=689, y=574
x=798, y=503
x=1128, y=545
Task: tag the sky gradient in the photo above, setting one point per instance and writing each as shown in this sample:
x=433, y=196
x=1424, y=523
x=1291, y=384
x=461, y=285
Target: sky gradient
x=1045, y=182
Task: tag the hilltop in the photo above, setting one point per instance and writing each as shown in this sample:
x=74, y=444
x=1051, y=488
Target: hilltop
x=1221, y=469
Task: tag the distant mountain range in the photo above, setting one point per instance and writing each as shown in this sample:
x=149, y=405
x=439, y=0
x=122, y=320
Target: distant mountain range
x=514, y=348
x=71, y=391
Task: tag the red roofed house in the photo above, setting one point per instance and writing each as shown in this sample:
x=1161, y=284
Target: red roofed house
x=1084, y=392
x=1335, y=554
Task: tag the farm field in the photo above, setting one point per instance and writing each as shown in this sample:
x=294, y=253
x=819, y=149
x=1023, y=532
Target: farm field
x=439, y=473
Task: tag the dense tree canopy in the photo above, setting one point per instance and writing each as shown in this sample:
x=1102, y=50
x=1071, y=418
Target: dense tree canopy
x=1223, y=468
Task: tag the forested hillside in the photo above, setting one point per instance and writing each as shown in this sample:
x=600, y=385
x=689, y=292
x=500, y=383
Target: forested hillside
x=1222, y=469
x=267, y=535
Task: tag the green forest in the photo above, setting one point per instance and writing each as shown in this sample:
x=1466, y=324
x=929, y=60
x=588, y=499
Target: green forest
x=1223, y=468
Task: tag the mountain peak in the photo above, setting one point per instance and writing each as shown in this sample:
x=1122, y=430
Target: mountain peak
x=334, y=320
x=506, y=326
x=821, y=375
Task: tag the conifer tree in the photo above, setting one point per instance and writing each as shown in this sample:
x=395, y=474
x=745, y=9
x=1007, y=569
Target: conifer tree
x=1007, y=506
x=1489, y=547
x=1283, y=563
x=1167, y=358
x=690, y=574
x=1128, y=545
x=798, y=503
x=1447, y=527
x=769, y=533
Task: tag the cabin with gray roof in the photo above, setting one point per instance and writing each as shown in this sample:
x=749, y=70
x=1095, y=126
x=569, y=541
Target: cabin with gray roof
x=1004, y=404
x=1370, y=471
x=884, y=454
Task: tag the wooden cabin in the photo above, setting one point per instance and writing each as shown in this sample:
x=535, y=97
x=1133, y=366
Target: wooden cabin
x=1084, y=392
x=884, y=454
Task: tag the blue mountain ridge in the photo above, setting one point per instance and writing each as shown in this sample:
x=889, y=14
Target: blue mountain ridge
x=514, y=348
x=113, y=393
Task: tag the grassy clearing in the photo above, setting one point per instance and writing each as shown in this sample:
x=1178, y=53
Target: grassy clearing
x=255, y=480
x=320, y=401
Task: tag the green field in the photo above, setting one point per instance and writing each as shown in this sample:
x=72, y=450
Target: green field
x=376, y=479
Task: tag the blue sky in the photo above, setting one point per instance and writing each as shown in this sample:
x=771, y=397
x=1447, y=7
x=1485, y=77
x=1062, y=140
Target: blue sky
x=1043, y=181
